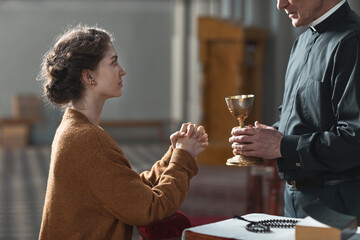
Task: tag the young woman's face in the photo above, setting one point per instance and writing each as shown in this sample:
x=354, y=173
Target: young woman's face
x=108, y=75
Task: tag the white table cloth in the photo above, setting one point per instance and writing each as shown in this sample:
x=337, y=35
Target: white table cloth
x=235, y=228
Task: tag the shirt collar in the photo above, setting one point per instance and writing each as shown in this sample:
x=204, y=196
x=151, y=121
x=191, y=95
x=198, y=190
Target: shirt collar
x=327, y=14
x=332, y=17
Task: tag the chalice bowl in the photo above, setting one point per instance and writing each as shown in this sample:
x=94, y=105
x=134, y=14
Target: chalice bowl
x=240, y=107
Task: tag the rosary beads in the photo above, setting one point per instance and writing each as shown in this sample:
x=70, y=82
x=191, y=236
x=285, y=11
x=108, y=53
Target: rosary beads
x=264, y=225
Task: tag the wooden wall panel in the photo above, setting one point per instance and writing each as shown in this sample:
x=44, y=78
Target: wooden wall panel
x=231, y=57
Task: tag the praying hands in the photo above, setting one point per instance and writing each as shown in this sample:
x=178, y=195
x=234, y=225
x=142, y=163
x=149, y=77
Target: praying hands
x=190, y=137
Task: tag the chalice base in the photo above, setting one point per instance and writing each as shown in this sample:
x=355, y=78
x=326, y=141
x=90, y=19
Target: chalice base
x=242, y=161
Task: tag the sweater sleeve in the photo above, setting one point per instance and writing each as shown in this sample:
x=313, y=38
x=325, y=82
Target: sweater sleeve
x=151, y=178
x=124, y=195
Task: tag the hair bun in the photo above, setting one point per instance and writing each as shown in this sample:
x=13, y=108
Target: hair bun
x=56, y=91
x=58, y=67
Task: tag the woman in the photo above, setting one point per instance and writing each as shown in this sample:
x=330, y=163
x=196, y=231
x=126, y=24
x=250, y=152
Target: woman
x=92, y=192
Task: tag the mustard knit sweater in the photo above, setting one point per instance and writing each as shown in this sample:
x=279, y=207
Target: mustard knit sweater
x=92, y=192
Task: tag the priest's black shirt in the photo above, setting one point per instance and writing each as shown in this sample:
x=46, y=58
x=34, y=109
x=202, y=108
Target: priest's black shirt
x=320, y=112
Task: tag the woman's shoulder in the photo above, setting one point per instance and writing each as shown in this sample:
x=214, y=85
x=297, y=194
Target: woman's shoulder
x=77, y=135
x=87, y=139
x=76, y=129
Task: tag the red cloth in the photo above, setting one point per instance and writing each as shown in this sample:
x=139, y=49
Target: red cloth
x=171, y=227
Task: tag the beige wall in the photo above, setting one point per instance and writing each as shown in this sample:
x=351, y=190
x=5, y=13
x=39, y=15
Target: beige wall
x=142, y=30
x=162, y=81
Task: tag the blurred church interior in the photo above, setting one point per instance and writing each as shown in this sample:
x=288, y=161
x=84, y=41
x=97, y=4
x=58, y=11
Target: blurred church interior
x=182, y=58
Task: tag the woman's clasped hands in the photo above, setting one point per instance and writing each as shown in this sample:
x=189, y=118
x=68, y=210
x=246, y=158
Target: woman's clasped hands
x=191, y=137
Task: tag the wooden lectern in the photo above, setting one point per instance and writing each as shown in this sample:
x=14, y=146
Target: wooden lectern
x=232, y=60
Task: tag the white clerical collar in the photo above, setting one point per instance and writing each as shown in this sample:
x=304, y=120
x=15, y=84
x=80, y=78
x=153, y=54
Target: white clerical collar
x=327, y=14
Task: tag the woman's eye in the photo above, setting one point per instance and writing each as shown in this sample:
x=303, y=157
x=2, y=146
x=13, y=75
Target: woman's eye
x=115, y=62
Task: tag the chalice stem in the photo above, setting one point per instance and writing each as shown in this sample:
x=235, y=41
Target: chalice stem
x=241, y=123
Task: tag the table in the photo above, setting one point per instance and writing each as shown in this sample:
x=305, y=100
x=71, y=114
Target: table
x=235, y=229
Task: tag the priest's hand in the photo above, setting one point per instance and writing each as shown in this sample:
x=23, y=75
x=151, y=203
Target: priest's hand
x=256, y=141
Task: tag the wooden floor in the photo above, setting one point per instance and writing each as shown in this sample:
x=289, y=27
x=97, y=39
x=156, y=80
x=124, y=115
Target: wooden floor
x=216, y=192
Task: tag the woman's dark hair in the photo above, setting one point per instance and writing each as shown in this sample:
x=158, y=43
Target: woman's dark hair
x=79, y=48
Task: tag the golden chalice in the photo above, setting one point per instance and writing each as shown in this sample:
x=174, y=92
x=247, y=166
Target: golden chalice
x=240, y=107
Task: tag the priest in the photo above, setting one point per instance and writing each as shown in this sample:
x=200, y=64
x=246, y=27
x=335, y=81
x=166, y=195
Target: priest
x=316, y=141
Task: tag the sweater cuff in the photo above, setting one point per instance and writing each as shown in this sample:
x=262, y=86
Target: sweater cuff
x=288, y=149
x=168, y=154
x=183, y=158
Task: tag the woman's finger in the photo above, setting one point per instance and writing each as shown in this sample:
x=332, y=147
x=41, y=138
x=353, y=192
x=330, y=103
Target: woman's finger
x=205, y=144
x=175, y=136
x=190, y=130
x=201, y=129
x=184, y=127
x=203, y=138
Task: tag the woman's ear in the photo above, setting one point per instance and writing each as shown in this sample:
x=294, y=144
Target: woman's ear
x=88, y=77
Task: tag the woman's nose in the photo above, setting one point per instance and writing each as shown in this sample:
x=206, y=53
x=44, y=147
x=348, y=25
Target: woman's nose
x=122, y=71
